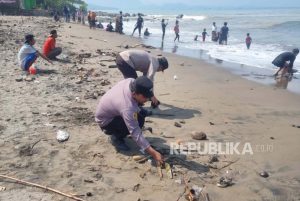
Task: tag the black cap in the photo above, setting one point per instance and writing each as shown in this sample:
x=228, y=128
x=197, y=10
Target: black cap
x=53, y=32
x=296, y=51
x=142, y=85
x=163, y=62
x=28, y=38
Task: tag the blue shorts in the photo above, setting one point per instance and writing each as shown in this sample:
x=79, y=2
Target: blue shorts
x=29, y=60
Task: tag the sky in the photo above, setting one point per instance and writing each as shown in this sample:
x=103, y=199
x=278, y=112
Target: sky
x=128, y=4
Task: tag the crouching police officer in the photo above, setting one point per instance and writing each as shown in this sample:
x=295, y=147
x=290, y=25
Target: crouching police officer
x=119, y=114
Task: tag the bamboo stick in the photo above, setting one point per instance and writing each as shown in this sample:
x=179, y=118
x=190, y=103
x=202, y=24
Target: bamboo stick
x=40, y=186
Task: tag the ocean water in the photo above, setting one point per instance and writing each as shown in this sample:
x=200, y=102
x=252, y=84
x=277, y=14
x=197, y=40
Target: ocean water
x=273, y=31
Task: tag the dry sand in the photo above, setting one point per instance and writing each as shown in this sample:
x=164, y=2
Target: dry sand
x=209, y=99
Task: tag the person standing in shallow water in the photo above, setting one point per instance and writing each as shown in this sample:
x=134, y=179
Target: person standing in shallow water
x=214, y=32
x=163, y=27
x=224, y=34
x=119, y=23
x=248, y=41
x=176, y=30
x=204, y=34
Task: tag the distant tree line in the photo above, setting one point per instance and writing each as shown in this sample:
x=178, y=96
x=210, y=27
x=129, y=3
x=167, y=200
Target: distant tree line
x=58, y=5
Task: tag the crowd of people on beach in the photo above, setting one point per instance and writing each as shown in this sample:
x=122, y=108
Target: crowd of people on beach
x=120, y=112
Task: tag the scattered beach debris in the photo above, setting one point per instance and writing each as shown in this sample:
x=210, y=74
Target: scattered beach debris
x=29, y=79
x=141, y=158
x=224, y=182
x=84, y=55
x=27, y=150
x=19, y=79
x=148, y=129
x=112, y=66
x=136, y=187
x=194, y=193
x=169, y=170
x=177, y=124
x=119, y=190
x=2, y=188
x=264, y=174
x=143, y=174
x=105, y=82
x=62, y=136
x=18, y=181
x=164, y=135
x=89, y=194
x=178, y=181
x=211, y=123
x=138, y=157
x=272, y=138
x=159, y=170
x=213, y=158
x=175, y=77
x=295, y=126
x=88, y=181
x=199, y=135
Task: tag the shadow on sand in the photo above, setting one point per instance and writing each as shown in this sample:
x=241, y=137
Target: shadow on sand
x=166, y=111
x=46, y=72
x=160, y=145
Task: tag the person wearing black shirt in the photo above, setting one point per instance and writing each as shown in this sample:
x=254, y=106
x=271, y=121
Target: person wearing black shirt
x=139, y=24
x=223, y=34
x=163, y=27
x=285, y=61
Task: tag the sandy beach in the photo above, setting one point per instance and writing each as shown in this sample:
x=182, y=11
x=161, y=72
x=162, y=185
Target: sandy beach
x=202, y=98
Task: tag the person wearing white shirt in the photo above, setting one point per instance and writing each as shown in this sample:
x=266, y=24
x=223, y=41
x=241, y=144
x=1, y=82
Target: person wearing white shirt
x=214, y=32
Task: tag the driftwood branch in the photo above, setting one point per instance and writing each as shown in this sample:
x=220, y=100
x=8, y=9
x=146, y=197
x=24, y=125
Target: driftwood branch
x=159, y=171
x=230, y=163
x=186, y=187
x=40, y=186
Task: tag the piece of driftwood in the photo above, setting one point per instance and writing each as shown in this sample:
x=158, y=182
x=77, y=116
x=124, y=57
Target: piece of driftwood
x=230, y=163
x=186, y=188
x=40, y=186
x=159, y=171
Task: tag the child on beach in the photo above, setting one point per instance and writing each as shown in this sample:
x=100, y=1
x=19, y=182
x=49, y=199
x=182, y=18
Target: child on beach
x=204, y=34
x=109, y=27
x=176, y=30
x=248, y=41
x=28, y=54
x=146, y=33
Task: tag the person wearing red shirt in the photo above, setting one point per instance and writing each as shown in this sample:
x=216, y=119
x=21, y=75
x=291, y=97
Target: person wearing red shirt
x=49, y=49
